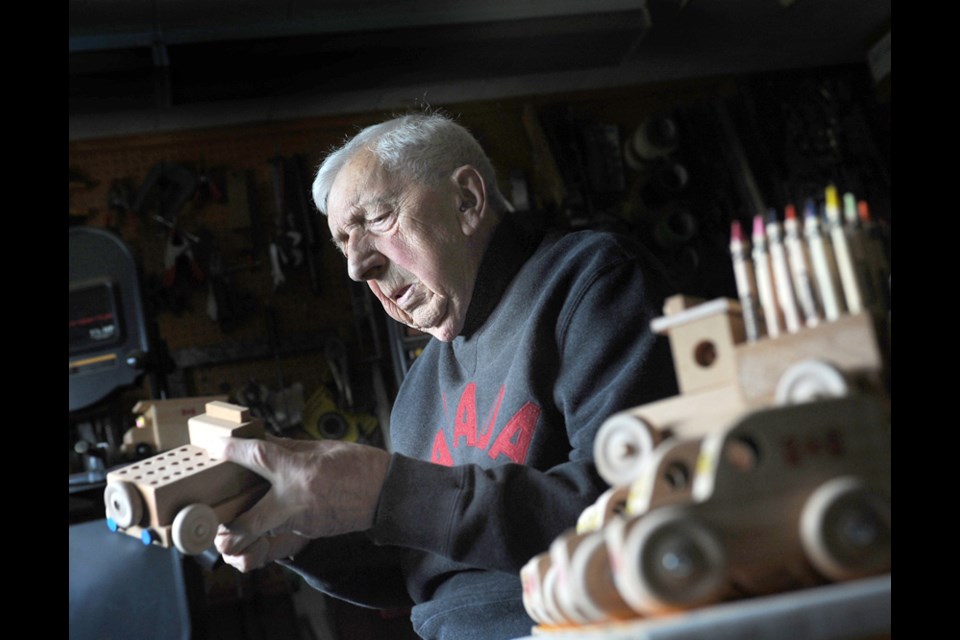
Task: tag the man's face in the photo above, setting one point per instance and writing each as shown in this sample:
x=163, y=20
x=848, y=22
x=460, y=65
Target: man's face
x=407, y=242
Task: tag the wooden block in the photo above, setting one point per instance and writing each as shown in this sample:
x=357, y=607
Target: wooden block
x=227, y=411
x=702, y=340
x=848, y=343
x=204, y=428
x=693, y=415
x=675, y=304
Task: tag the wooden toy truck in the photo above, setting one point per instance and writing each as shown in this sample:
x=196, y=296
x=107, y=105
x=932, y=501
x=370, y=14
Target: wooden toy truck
x=179, y=497
x=721, y=377
x=769, y=472
x=161, y=425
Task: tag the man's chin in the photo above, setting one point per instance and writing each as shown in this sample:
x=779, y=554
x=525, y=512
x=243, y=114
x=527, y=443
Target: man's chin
x=443, y=334
x=443, y=328
x=444, y=331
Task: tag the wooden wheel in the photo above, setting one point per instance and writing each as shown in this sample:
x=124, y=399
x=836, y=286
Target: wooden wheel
x=621, y=446
x=810, y=380
x=124, y=506
x=194, y=529
x=845, y=530
x=671, y=562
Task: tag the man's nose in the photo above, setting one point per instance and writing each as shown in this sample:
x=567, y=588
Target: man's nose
x=364, y=262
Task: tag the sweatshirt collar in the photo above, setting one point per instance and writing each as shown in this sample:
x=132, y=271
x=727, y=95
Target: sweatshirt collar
x=510, y=247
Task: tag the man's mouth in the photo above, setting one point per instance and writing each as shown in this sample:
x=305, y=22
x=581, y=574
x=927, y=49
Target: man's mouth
x=400, y=293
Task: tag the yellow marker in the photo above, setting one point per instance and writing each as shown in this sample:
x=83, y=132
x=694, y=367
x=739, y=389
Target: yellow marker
x=841, y=250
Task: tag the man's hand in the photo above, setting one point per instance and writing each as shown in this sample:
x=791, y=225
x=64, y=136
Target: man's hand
x=319, y=488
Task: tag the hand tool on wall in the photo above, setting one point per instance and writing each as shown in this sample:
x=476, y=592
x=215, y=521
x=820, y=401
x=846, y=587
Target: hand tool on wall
x=119, y=201
x=179, y=249
x=168, y=187
x=226, y=304
x=306, y=219
x=285, y=251
x=336, y=355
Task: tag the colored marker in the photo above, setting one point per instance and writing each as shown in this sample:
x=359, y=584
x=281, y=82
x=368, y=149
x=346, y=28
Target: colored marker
x=781, y=273
x=746, y=282
x=858, y=252
x=876, y=254
x=821, y=257
x=803, y=283
x=849, y=284
x=765, y=287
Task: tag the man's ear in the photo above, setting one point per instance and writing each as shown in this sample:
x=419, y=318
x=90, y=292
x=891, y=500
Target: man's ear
x=472, y=192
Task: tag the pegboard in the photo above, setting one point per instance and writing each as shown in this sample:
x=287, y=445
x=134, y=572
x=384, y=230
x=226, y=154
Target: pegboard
x=237, y=160
x=225, y=154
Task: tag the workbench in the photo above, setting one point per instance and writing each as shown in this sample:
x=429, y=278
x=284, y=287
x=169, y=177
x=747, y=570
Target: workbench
x=858, y=610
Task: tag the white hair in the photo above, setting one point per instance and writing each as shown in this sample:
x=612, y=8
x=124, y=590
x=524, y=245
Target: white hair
x=423, y=147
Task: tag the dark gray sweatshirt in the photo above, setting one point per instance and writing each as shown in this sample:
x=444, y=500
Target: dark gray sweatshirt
x=493, y=432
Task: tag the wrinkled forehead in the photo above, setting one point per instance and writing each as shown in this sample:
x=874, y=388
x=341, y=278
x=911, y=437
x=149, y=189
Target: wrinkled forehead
x=362, y=183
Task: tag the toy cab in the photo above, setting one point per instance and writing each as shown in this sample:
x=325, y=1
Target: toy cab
x=179, y=497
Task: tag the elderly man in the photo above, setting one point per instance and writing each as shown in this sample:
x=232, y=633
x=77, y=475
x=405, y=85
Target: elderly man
x=538, y=339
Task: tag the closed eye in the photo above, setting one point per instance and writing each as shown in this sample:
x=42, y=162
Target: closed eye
x=380, y=221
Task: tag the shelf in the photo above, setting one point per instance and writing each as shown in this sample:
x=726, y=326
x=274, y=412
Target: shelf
x=858, y=610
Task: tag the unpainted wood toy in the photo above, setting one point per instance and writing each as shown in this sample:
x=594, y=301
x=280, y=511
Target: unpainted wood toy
x=179, y=497
x=790, y=497
x=722, y=376
x=162, y=424
x=769, y=472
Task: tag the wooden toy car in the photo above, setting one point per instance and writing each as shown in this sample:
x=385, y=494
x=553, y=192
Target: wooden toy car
x=790, y=497
x=178, y=498
x=769, y=472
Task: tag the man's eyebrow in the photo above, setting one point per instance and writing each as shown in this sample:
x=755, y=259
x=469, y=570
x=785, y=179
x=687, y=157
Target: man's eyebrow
x=357, y=214
x=388, y=199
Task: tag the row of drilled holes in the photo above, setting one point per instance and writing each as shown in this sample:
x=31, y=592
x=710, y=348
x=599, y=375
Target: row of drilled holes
x=160, y=460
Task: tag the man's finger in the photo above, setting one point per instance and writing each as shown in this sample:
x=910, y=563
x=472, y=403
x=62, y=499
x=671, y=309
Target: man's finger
x=267, y=516
x=264, y=550
x=258, y=456
x=295, y=444
x=232, y=542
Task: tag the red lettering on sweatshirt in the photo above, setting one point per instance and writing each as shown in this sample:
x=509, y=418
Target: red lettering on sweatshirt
x=465, y=422
x=513, y=441
x=441, y=452
x=484, y=437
